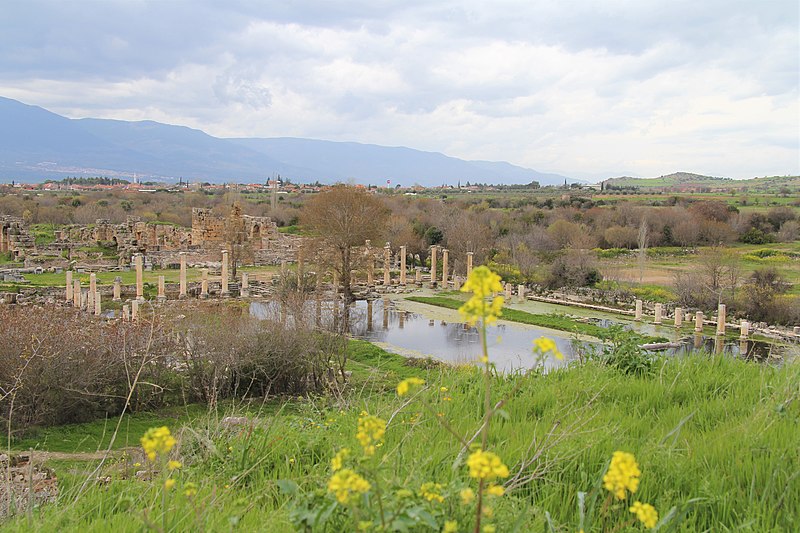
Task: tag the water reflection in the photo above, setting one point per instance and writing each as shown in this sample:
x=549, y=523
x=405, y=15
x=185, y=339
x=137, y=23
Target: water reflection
x=417, y=335
x=412, y=334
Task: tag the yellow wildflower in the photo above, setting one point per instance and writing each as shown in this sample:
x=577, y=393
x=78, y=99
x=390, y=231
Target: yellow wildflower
x=450, y=526
x=443, y=389
x=482, y=283
x=136, y=465
x=168, y=484
x=488, y=528
x=346, y=485
x=543, y=346
x=486, y=465
x=646, y=514
x=495, y=490
x=370, y=432
x=190, y=490
x=404, y=386
x=623, y=475
x=432, y=491
x=467, y=496
x=365, y=525
x=338, y=460
x=174, y=465
x=157, y=441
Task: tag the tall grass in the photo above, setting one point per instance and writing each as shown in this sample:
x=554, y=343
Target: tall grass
x=714, y=428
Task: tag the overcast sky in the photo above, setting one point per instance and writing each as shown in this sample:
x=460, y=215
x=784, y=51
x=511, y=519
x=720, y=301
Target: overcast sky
x=585, y=88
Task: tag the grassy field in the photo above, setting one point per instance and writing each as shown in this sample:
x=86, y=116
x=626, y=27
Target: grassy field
x=717, y=432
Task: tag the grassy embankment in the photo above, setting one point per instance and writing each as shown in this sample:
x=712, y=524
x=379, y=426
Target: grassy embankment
x=718, y=429
x=552, y=321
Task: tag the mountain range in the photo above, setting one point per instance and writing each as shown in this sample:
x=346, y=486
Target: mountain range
x=36, y=144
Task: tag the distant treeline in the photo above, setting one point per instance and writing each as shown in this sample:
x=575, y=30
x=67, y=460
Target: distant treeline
x=90, y=181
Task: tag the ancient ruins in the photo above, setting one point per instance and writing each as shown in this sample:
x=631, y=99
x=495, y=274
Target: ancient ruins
x=251, y=240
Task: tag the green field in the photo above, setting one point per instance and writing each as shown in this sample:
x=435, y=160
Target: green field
x=715, y=436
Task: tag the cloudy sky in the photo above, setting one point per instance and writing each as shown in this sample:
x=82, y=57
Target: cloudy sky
x=585, y=88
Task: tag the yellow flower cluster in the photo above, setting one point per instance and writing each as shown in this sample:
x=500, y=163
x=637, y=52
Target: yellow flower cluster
x=346, y=485
x=174, y=465
x=338, y=460
x=495, y=490
x=190, y=490
x=482, y=283
x=646, y=514
x=467, y=496
x=450, y=526
x=370, y=432
x=157, y=441
x=623, y=475
x=407, y=384
x=486, y=465
x=543, y=346
x=432, y=491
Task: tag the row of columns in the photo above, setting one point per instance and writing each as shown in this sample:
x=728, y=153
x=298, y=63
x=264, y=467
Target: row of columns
x=92, y=300
x=699, y=319
x=434, y=276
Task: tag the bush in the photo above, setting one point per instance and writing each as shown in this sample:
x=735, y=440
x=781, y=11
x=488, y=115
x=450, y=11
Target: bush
x=58, y=366
x=756, y=236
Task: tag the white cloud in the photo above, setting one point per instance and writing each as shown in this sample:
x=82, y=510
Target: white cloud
x=581, y=87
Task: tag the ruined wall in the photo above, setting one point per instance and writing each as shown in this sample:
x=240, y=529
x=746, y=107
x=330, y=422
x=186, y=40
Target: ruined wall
x=250, y=240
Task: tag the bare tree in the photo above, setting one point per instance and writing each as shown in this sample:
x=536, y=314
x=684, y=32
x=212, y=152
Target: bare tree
x=642, y=242
x=344, y=217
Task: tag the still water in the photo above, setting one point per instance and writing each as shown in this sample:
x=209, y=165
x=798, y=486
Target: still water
x=429, y=331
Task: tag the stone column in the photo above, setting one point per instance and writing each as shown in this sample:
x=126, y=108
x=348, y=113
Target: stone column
x=445, y=254
x=402, y=265
x=721, y=320
x=418, y=275
x=182, y=291
x=370, y=269
x=369, y=315
x=204, y=284
x=93, y=283
x=68, y=296
x=76, y=293
x=678, y=317
x=658, y=314
x=434, y=254
x=3, y=240
x=90, y=301
x=224, y=290
x=387, y=257
x=245, y=290
x=98, y=309
x=508, y=292
x=126, y=313
x=698, y=322
x=84, y=301
x=744, y=332
x=134, y=310
x=638, y=315
x=521, y=292
x=137, y=259
x=117, y=289
x=162, y=295
x=469, y=263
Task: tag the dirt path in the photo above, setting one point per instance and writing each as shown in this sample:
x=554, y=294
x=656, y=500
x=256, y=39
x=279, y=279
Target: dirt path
x=43, y=456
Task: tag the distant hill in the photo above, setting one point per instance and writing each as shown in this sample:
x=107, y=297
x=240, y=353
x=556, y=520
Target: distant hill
x=36, y=144
x=688, y=181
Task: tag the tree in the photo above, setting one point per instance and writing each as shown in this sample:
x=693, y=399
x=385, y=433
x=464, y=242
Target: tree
x=344, y=217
